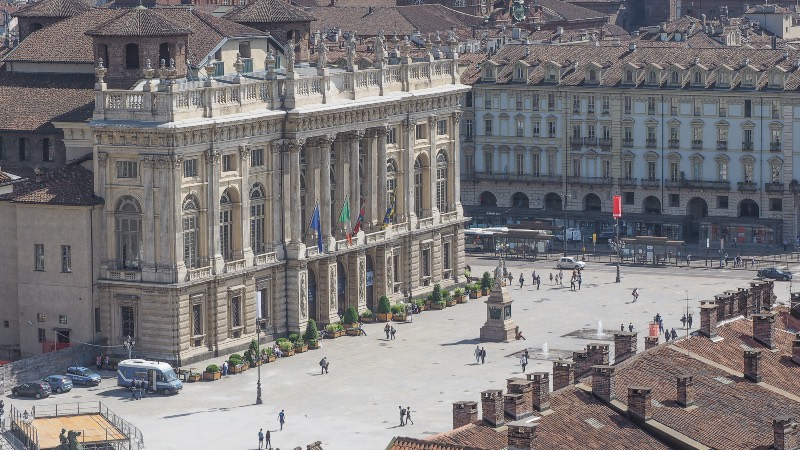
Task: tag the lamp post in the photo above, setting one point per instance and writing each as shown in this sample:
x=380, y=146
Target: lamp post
x=258, y=355
x=619, y=249
x=129, y=343
x=566, y=197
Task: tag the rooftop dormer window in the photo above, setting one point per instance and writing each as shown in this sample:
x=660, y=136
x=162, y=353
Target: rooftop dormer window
x=629, y=76
x=652, y=77
x=675, y=77
x=551, y=75
x=593, y=76
x=699, y=79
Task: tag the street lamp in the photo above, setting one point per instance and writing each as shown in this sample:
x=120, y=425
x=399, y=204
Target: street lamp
x=258, y=355
x=566, y=197
x=129, y=343
x=619, y=249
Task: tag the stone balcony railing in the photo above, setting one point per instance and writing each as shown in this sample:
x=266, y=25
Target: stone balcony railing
x=747, y=186
x=448, y=216
x=590, y=180
x=265, y=258
x=526, y=177
x=198, y=273
x=773, y=187
x=124, y=275
x=651, y=184
x=171, y=101
x=709, y=184
x=425, y=222
x=627, y=182
x=235, y=266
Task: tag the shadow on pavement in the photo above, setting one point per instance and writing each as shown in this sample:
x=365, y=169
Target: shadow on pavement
x=462, y=342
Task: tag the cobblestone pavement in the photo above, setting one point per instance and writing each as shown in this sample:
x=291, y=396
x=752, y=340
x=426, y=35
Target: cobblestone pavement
x=428, y=367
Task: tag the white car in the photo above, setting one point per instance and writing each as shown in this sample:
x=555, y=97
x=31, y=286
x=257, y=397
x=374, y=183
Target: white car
x=569, y=262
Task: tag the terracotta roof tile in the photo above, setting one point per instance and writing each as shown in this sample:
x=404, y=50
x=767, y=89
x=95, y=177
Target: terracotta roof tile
x=139, y=21
x=404, y=443
x=69, y=185
x=269, y=11
x=54, y=8
x=68, y=97
x=405, y=20
x=567, y=11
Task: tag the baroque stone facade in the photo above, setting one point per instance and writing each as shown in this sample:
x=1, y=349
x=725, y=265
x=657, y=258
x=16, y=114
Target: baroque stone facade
x=210, y=189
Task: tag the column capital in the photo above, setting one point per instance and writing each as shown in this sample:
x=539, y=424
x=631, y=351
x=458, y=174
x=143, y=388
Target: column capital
x=326, y=140
x=382, y=130
x=102, y=158
x=177, y=161
x=432, y=119
x=244, y=150
x=276, y=145
x=408, y=124
x=355, y=135
x=294, y=145
x=456, y=117
x=213, y=156
x=147, y=160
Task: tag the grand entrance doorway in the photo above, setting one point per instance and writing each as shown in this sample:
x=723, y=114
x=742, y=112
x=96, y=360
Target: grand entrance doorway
x=696, y=209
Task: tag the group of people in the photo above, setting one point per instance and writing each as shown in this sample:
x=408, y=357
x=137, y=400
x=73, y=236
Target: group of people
x=630, y=327
x=139, y=388
x=537, y=280
x=390, y=331
x=405, y=416
x=480, y=355
x=669, y=335
x=576, y=280
x=103, y=362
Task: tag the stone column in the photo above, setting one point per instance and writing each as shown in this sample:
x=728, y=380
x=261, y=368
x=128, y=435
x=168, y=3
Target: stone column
x=294, y=200
x=244, y=167
x=408, y=167
x=433, y=122
x=212, y=163
x=148, y=263
x=175, y=181
x=355, y=179
x=106, y=250
x=325, y=144
x=370, y=192
x=454, y=175
x=312, y=187
x=275, y=197
x=343, y=181
x=381, y=185
x=165, y=250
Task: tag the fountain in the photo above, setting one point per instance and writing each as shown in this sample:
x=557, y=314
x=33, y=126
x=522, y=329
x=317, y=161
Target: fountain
x=600, y=329
x=545, y=350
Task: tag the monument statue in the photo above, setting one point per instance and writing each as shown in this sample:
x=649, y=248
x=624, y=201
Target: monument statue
x=70, y=441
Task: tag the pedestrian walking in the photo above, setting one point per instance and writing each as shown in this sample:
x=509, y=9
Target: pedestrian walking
x=630, y=327
x=392, y=332
x=361, y=325
x=657, y=318
x=622, y=327
x=323, y=363
x=551, y=278
x=99, y=361
x=483, y=355
x=689, y=319
x=387, y=329
x=533, y=276
x=688, y=259
x=561, y=277
x=572, y=284
x=408, y=415
x=402, y=416
x=580, y=280
x=225, y=368
x=538, y=282
x=267, y=440
x=282, y=418
x=635, y=294
x=683, y=320
x=477, y=354
x=674, y=334
x=667, y=335
x=523, y=361
x=107, y=361
x=260, y=438
x=521, y=281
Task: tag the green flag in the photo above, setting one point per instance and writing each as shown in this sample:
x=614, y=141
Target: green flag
x=344, y=217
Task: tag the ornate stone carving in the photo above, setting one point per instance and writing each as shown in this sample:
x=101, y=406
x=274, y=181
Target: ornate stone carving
x=355, y=135
x=332, y=287
x=147, y=160
x=303, y=296
x=102, y=158
x=362, y=281
x=244, y=151
x=277, y=145
x=456, y=118
x=382, y=130
x=294, y=145
x=389, y=273
x=432, y=120
x=177, y=161
x=408, y=125
x=290, y=57
x=213, y=156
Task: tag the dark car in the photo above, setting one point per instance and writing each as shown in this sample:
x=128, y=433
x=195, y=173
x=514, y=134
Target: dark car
x=59, y=383
x=775, y=274
x=82, y=375
x=38, y=389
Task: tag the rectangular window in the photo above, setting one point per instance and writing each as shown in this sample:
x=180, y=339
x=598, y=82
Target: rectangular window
x=396, y=270
x=627, y=169
x=42, y=335
x=228, y=163
x=722, y=171
x=487, y=101
x=519, y=102
x=446, y=255
x=576, y=167
x=576, y=104
x=469, y=163
x=748, y=137
x=535, y=164
x=747, y=168
x=674, y=200
x=128, y=323
x=551, y=165
x=723, y=108
x=390, y=136
x=776, y=108
x=47, y=150
x=468, y=132
x=441, y=127
x=748, y=108
x=257, y=157
x=651, y=170
x=536, y=128
x=487, y=126
x=66, y=258
x=62, y=319
x=722, y=202
x=551, y=129
x=487, y=162
x=590, y=104
x=606, y=132
x=127, y=169
x=535, y=102
x=628, y=198
x=197, y=319
x=673, y=134
x=520, y=128
x=264, y=299
x=520, y=163
x=551, y=102
x=40, y=317
x=38, y=256
x=697, y=170
x=576, y=131
x=468, y=100
x=776, y=204
x=426, y=263
x=190, y=168
x=236, y=312
x=673, y=171
x=590, y=131
x=606, y=104
x=607, y=169
x=651, y=105
x=628, y=105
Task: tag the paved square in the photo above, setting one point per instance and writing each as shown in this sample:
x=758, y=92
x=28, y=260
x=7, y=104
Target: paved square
x=428, y=367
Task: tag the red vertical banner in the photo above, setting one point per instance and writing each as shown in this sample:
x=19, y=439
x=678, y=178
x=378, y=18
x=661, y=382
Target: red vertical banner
x=617, y=206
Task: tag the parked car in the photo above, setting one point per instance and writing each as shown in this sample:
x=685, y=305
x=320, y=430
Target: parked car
x=82, y=375
x=38, y=389
x=569, y=262
x=59, y=383
x=775, y=274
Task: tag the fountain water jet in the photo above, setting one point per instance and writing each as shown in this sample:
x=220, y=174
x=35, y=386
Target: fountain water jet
x=545, y=349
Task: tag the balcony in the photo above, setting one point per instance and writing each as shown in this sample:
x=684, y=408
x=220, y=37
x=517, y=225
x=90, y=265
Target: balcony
x=525, y=177
x=596, y=181
x=775, y=146
x=747, y=186
x=198, y=273
x=235, y=266
x=627, y=182
x=747, y=145
x=697, y=144
x=773, y=187
x=590, y=141
x=676, y=184
x=265, y=258
x=651, y=184
x=722, y=145
x=375, y=237
x=650, y=143
x=605, y=143
x=124, y=275
x=448, y=216
x=627, y=142
x=576, y=141
x=706, y=184
x=674, y=143
x=425, y=222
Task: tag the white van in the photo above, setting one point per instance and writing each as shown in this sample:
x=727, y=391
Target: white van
x=159, y=375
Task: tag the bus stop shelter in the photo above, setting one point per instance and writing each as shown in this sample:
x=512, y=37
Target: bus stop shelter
x=652, y=250
x=519, y=243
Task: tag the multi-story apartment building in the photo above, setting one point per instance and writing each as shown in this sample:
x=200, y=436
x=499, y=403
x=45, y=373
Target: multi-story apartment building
x=698, y=142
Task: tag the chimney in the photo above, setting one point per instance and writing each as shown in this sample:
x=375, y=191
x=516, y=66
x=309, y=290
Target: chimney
x=464, y=413
x=708, y=320
x=603, y=382
x=685, y=387
x=522, y=435
x=785, y=433
x=764, y=329
x=564, y=374
x=632, y=46
x=640, y=404
x=492, y=405
x=598, y=354
x=624, y=345
x=795, y=350
x=518, y=402
x=650, y=342
x=540, y=396
x=752, y=361
x=582, y=363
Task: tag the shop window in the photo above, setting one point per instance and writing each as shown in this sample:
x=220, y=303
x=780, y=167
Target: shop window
x=776, y=204
x=627, y=198
x=722, y=202
x=674, y=200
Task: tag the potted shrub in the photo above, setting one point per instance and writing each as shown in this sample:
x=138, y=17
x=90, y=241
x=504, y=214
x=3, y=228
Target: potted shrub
x=486, y=283
x=448, y=298
x=350, y=319
x=193, y=377
x=334, y=330
x=384, y=309
x=436, y=298
x=421, y=304
x=251, y=355
x=236, y=363
x=300, y=346
x=399, y=312
x=267, y=355
x=367, y=317
x=474, y=290
x=312, y=334
x=286, y=346
x=211, y=373
x=458, y=295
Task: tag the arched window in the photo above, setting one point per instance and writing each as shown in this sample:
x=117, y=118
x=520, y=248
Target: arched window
x=257, y=209
x=628, y=76
x=128, y=230
x=487, y=199
x=226, y=226
x=520, y=200
x=552, y=202
x=164, y=53
x=131, y=56
x=748, y=208
x=441, y=182
x=418, y=177
x=652, y=205
x=674, y=77
x=191, y=231
x=592, y=203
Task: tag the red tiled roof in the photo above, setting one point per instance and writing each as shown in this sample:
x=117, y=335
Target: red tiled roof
x=69, y=185
x=139, y=21
x=405, y=20
x=67, y=97
x=404, y=443
x=269, y=11
x=54, y=8
x=786, y=321
x=565, y=11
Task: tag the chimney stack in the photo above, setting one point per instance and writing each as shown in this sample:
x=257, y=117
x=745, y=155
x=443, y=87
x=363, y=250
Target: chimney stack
x=582, y=362
x=492, y=405
x=795, y=349
x=708, y=320
x=785, y=433
x=464, y=413
x=540, y=396
x=603, y=382
x=624, y=345
x=522, y=435
x=764, y=329
x=598, y=354
x=752, y=361
x=650, y=342
x=564, y=374
x=640, y=404
x=685, y=387
x=518, y=402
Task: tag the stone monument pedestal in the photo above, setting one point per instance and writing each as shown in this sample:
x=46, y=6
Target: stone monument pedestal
x=499, y=326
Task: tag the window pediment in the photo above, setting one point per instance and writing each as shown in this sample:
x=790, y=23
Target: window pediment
x=674, y=156
x=697, y=157
x=651, y=156
x=722, y=158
